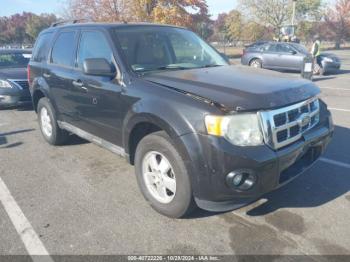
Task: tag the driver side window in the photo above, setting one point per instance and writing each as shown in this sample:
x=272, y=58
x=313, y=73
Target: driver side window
x=283, y=48
x=93, y=44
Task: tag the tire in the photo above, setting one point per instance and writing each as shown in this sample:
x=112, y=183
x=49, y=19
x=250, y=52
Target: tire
x=256, y=63
x=158, y=146
x=46, y=113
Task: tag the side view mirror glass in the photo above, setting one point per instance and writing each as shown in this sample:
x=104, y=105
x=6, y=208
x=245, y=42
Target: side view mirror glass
x=98, y=67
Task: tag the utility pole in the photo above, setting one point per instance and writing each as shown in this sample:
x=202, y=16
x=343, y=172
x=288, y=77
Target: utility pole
x=293, y=16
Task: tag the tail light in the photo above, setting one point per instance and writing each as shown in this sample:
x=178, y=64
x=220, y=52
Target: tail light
x=28, y=75
x=243, y=52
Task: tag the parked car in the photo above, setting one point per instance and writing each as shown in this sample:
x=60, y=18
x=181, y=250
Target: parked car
x=198, y=131
x=14, y=88
x=285, y=56
x=330, y=63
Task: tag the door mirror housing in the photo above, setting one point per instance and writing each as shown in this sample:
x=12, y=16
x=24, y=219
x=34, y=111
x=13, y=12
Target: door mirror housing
x=293, y=52
x=98, y=67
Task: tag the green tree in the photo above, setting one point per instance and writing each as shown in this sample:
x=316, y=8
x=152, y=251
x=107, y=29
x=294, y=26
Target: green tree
x=279, y=12
x=233, y=25
x=36, y=24
x=337, y=20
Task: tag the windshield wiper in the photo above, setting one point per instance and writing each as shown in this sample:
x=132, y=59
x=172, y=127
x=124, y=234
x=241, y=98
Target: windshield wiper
x=210, y=65
x=172, y=67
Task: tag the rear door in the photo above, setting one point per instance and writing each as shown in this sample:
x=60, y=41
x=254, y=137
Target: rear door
x=269, y=55
x=59, y=73
x=288, y=58
x=97, y=97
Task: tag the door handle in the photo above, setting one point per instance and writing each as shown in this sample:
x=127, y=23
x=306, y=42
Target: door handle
x=46, y=75
x=78, y=83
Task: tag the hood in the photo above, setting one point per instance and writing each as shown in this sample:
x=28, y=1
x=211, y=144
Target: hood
x=13, y=73
x=239, y=88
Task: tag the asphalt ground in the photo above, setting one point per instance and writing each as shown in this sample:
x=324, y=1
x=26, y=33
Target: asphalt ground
x=80, y=199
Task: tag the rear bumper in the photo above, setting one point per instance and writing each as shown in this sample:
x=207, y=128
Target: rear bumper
x=272, y=169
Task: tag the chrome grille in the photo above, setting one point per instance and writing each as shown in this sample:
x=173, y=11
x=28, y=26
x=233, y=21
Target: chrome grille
x=286, y=125
x=21, y=83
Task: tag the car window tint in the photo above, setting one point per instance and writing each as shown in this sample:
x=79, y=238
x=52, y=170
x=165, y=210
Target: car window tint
x=14, y=60
x=271, y=48
x=93, y=44
x=63, y=49
x=283, y=48
x=42, y=47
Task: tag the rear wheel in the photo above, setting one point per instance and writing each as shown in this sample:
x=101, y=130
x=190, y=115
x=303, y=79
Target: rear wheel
x=256, y=63
x=162, y=176
x=48, y=123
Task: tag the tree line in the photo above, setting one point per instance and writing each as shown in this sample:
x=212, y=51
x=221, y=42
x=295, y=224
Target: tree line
x=250, y=21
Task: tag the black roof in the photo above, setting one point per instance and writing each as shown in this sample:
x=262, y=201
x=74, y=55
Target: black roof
x=105, y=25
x=15, y=51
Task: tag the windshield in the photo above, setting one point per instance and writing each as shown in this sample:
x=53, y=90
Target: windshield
x=300, y=48
x=165, y=48
x=14, y=59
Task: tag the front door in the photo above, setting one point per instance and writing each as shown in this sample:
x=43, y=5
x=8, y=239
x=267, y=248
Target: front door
x=98, y=97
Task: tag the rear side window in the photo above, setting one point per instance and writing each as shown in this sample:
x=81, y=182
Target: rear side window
x=93, y=44
x=272, y=48
x=63, y=49
x=41, y=48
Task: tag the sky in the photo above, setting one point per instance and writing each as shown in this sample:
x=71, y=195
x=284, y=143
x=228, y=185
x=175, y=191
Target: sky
x=10, y=7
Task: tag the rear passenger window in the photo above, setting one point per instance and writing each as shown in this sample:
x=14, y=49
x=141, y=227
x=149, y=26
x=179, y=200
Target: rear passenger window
x=272, y=48
x=63, y=49
x=42, y=47
x=93, y=44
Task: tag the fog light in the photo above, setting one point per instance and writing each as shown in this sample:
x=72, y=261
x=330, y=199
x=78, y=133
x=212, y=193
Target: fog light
x=237, y=179
x=241, y=179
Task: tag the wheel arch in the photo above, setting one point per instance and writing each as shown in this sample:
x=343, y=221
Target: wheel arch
x=255, y=58
x=142, y=125
x=37, y=95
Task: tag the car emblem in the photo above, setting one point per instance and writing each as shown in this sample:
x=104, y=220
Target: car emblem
x=304, y=120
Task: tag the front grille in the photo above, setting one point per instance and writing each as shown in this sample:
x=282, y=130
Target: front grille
x=22, y=83
x=286, y=125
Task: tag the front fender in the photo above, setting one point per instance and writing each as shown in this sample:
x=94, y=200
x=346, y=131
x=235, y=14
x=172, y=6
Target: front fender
x=159, y=113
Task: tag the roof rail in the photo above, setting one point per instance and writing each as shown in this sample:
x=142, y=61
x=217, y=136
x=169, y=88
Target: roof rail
x=74, y=21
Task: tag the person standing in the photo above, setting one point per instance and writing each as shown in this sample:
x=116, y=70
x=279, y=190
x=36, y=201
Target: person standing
x=316, y=54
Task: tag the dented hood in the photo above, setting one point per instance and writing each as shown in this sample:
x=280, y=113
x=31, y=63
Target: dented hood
x=238, y=87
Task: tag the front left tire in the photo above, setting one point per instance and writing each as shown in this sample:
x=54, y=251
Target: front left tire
x=162, y=176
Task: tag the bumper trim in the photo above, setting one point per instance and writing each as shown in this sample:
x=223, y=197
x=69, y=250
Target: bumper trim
x=223, y=206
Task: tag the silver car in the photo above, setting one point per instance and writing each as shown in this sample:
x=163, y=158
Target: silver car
x=285, y=56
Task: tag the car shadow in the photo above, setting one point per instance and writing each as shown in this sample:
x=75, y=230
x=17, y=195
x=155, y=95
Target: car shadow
x=3, y=138
x=321, y=78
x=342, y=72
x=74, y=140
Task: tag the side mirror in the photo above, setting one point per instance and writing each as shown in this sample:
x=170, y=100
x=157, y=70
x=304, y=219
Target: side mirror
x=293, y=52
x=98, y=67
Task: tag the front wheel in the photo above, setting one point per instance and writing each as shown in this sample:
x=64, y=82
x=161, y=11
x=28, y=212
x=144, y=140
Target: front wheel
x=162, y=176
x=256, y=63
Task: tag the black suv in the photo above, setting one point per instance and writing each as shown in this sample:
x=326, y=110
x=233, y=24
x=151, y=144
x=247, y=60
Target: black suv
x=199, y=131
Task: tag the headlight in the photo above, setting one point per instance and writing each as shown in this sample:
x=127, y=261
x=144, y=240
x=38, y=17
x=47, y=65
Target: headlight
x=4, y=84
x=241, y=129
x=327, y=59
